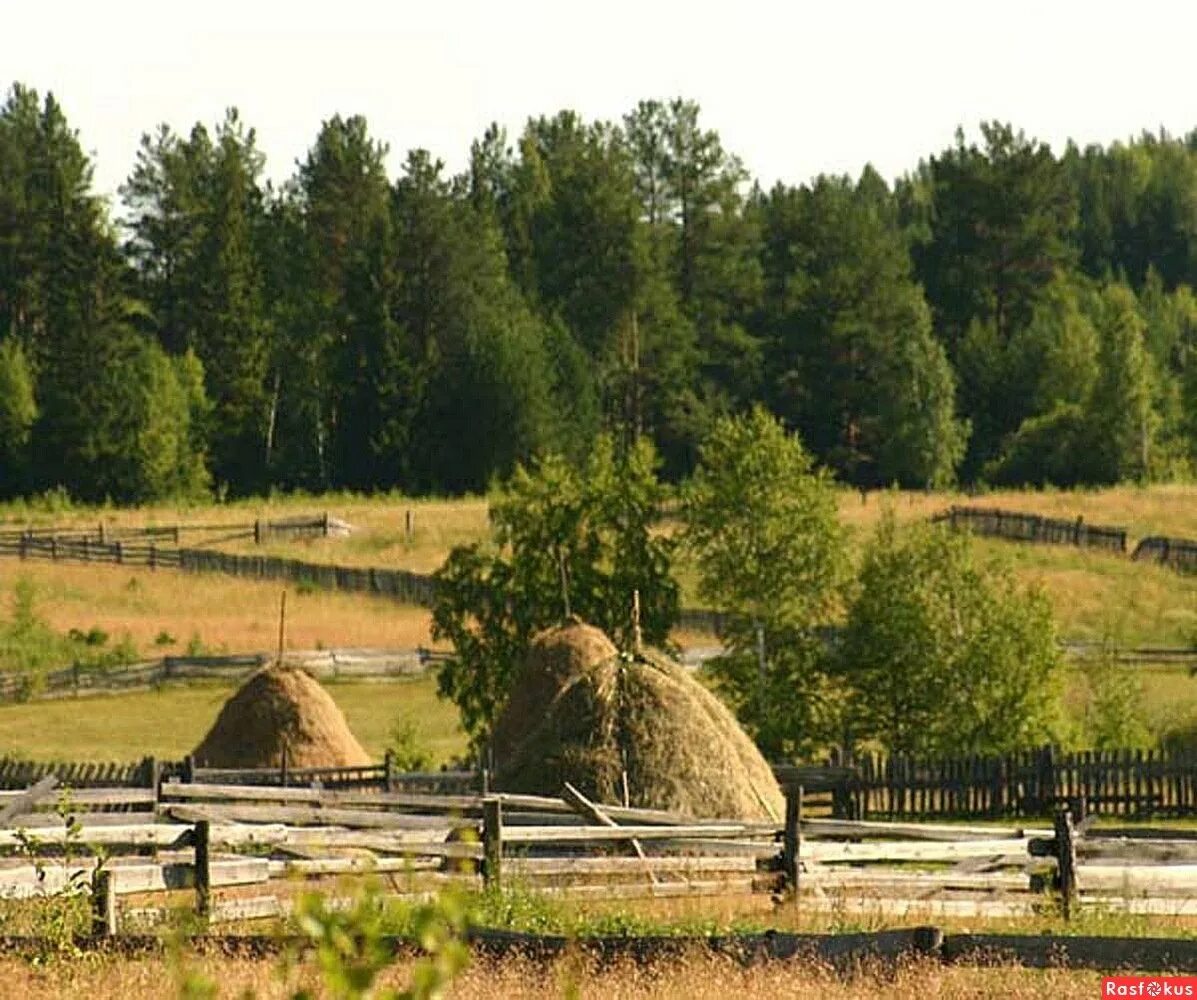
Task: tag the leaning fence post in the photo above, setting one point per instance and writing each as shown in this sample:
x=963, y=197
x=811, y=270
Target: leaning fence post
x=103, y=906
x=1065, y=861
x=203, y=870
x=492, y=843
x=792, y=845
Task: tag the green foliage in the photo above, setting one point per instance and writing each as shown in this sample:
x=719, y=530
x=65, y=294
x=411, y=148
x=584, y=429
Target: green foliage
x=565, y=542
x=762, y=526
x=1114, y=717
x=407, y=751
x=352, y=950
x=851, y=359
x=18, y=412
x=943, y=653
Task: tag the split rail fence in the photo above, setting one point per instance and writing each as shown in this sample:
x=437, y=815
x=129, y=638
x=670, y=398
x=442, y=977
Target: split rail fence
x=239, y=851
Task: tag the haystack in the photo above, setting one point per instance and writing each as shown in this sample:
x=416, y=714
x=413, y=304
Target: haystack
x=277, y=707
x=578, y=710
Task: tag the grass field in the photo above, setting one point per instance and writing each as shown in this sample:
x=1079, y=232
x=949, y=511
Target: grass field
x=1095, y=595
x=697, y=977
x=168, y=723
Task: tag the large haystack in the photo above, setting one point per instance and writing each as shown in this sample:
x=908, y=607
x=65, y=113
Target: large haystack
x=277, y=707
x=578, y=708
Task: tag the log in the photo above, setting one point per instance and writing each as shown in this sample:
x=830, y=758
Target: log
x=308, y=816
x=565, y=834
x=589, y=811
x=26, y=800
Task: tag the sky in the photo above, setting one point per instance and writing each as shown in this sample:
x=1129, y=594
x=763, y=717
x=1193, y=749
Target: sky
x=795, y=89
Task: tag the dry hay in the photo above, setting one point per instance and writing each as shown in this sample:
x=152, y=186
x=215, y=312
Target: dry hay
x=577, y=707
x=277, y=707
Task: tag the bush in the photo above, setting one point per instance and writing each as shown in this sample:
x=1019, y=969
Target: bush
x=943, y=653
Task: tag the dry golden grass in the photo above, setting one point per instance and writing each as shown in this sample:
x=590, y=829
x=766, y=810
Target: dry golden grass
x=226, y=613
x=697, y=977
x=1095, y=595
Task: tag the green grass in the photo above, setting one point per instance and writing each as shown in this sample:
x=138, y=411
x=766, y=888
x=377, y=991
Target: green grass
x=169, y=722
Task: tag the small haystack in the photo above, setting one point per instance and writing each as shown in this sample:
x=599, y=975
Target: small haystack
x=277, y=707
x=578, y=710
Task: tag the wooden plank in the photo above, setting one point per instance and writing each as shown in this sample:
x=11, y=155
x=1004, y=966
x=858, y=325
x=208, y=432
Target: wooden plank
x=861, y=829
x=27, y=799
x=659, y=890
x=589, y=811
x=825, y=852
x=577, y=867
x=26, y=881
x=565, y=834
x=305, y=867
x=93, y=797
x=890, y=881
x=1141, y=851
x=309, y=816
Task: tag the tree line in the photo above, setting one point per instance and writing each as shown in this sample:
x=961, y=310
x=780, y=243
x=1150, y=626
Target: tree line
x=1002, y=313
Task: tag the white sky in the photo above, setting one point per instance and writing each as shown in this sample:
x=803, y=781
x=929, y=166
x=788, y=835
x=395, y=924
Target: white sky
x=795, y=89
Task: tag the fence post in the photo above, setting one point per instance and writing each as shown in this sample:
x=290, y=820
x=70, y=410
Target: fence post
x=153, y=556
x=101, y=532
x=282, y=767
x=120, y=555
x=24, y=544
x=153, y=769
x=1065, y=861
x=1076, y=537
x=1046, y=779
x=324, y=524
x=792, y=845
x=203, y=870
x=54, y=548
x=388, y=770
x=188, y=769
x=492, y=843
x=103, y=906
x=257, y=531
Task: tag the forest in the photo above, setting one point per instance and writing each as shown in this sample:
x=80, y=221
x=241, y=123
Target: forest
x=1002, y=314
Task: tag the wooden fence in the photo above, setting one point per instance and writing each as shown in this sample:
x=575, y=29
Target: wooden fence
x=260, y=530
x=208, y=837
x=1176, y=553
x=323, y=664
x=998, y=523
x=1128, y=783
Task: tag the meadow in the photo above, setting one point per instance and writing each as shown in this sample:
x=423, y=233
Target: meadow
x=170, y=722
x=1096, y=597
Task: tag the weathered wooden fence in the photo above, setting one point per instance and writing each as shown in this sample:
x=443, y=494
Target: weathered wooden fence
x=997, y=523
x=1129, y=783
x=1176, y=553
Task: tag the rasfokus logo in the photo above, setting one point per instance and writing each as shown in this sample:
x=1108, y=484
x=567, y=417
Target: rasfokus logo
x=1149, y=986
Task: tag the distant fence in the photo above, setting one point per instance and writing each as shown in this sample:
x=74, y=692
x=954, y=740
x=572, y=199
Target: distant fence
x=324, y=664
x=1016, y=526
x=260, y=530
x=1177, y=553
x=1129, y=783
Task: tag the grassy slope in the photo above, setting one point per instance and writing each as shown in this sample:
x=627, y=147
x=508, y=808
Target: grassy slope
x=1095, y=595
x=168, y=723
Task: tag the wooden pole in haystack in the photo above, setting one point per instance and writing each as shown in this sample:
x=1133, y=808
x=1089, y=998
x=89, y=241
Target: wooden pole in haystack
x=282, y=627
x=637, y=638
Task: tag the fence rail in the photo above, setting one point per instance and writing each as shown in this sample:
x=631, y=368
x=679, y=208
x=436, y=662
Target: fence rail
x=323, y=664
x=997, y=523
